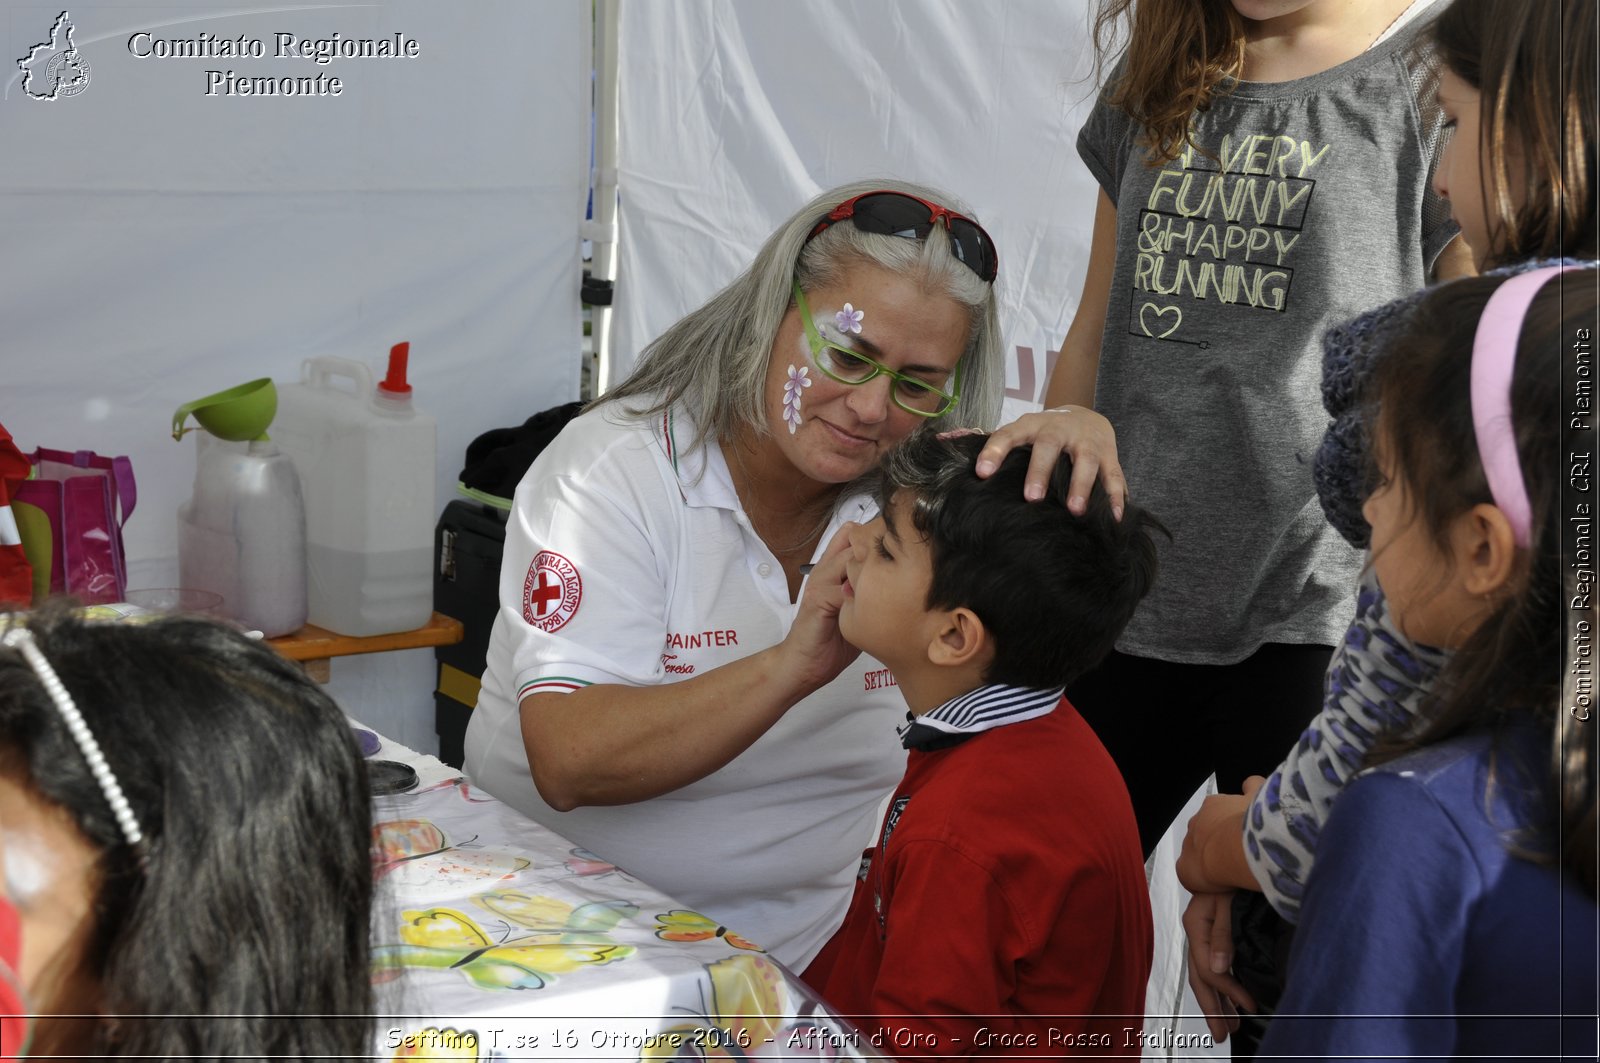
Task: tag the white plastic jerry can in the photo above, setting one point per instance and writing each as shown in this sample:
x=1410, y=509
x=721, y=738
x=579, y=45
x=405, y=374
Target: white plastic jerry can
x=365, y=456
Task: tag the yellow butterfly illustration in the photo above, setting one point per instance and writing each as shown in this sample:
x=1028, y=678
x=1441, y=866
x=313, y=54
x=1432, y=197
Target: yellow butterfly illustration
x=739, y=1017
x=683, y=925
x=541, y=938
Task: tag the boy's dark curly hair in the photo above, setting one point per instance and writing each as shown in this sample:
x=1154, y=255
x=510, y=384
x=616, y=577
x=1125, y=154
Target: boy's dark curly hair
x=1054, y=590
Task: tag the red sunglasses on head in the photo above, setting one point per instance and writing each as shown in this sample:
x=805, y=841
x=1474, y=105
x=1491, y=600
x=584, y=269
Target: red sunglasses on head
x=898, y=214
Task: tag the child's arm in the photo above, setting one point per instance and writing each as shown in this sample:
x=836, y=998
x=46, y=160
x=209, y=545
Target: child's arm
x=1072, y=382
x=1266, y=838
x=1212, y=866
x=1081, y=432
x=1087, y=436
x=1376, y=682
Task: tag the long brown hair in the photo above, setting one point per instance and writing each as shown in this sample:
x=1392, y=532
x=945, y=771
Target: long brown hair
x=1534, y=63
x=1510, y=667
x=1179, y=54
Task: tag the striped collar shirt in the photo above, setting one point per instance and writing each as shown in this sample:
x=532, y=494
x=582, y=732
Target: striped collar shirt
x=974, y=712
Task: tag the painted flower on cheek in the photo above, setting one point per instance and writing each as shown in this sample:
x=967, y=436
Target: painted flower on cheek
x=799, y=380
x=849, y=319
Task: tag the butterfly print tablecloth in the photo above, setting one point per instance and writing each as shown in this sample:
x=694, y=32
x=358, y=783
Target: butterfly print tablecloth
x=495, y=938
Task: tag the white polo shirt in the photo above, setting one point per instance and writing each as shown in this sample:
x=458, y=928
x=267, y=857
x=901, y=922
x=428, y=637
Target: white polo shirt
x=628, y=561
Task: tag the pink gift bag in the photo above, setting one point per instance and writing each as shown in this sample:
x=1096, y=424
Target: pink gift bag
x=87, y=498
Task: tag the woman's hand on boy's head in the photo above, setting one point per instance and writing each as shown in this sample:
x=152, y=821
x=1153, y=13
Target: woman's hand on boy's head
x=1081, y=433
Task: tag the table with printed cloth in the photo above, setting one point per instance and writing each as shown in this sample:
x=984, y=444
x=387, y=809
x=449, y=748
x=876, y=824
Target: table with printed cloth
x=495, y=938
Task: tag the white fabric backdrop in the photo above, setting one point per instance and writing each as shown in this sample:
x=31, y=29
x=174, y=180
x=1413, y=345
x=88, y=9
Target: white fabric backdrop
x=160, y=244
x=735, y=112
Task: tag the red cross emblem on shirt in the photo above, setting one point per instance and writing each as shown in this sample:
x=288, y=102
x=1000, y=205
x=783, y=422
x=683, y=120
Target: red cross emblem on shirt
x=551, y=592
x=545, y=593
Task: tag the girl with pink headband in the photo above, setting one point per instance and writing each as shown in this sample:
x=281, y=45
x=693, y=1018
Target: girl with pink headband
x=1453, y=904
x=1518, y=84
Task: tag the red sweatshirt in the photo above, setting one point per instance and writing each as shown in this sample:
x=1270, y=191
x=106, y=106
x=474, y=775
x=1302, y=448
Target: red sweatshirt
x=1005, y=910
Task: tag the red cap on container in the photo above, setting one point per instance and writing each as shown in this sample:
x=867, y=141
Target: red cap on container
x=395, y=382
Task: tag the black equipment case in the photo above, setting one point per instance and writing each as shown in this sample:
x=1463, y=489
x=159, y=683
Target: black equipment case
x=467, y=545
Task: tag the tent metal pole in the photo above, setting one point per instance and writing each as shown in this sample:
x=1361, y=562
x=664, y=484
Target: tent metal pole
x=605, y=183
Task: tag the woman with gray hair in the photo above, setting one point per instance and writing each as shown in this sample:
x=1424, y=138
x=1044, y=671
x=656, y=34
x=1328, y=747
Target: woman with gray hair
x=666, y=685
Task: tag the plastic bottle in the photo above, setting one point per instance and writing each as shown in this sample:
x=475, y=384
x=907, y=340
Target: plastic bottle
x=365, y=456
x=243, y=534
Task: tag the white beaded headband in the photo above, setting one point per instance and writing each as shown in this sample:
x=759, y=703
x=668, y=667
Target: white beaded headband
x=21, y=639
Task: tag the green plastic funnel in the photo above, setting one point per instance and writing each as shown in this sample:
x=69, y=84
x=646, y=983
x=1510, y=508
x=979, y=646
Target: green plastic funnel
x=240, y=413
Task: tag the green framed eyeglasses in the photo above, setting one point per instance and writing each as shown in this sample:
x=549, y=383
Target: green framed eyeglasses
x=852, y=367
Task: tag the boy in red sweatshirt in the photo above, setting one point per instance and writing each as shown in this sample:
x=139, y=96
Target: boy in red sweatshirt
x=1004, y=910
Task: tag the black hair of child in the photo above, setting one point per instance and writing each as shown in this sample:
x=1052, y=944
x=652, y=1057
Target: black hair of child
x=1054, y=590
x=246, y=934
